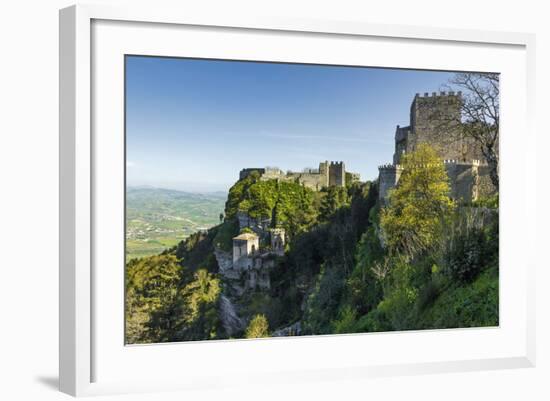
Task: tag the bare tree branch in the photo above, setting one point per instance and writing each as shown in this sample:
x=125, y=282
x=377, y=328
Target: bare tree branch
x=480, y=115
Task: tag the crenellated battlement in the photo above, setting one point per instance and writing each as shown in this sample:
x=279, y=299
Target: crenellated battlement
x=434, y=118
x=473, y=162
x=390, y=166
x=329, y=174
x=439, y=94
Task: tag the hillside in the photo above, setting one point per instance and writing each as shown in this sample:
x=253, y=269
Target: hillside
x=350, y=263
x=159, y=218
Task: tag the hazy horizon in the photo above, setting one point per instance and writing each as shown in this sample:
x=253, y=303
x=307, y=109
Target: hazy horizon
x=165, y=188
x=192, y=125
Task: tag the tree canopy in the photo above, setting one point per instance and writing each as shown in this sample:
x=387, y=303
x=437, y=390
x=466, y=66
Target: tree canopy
x=419, y=204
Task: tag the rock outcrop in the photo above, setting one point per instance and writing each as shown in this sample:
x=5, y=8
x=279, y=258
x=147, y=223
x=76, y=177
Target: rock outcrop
x=231, y=321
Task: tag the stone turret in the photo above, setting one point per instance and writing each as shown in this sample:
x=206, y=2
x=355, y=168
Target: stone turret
x=388, y=176
x=337, y=174
x=245, y=246
x=323, y=173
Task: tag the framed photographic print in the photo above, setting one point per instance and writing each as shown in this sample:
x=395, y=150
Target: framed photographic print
x=240, y=194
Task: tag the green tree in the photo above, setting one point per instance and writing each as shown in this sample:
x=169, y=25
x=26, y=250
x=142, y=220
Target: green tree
x=258, y=327
x=335, y=198
x=324, y=300
x=420, y=204
x=151, y=284
x=287, y=204
x=364, y=288
x=196, y=309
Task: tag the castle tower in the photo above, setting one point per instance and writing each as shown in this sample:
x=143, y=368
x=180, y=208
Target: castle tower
x=434, y=120
x=388, y=177
x=244, y=247
x=402, y=135
x=337, y=174
x=278, y=241
x=323, y=173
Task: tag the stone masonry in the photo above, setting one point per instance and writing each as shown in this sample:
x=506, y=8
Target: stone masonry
x=327, y=175
x=434, y=120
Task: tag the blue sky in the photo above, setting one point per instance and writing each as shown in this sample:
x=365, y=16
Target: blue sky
x=194, y=124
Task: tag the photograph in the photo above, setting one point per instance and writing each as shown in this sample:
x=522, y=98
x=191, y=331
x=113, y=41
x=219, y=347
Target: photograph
x=272, y=199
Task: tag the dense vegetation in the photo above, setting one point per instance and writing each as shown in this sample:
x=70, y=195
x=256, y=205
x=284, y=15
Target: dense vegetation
x=419, y=261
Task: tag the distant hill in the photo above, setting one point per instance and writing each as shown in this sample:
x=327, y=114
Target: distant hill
x=159, y=218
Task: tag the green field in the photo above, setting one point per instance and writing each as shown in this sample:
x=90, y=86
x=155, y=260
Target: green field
x=157, y=219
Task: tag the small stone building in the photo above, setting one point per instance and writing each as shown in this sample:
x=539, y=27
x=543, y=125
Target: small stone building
x=245, y=246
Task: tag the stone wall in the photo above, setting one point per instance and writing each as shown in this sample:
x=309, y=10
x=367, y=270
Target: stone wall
x=245, y=172
x=468, y=181
x=388, y=177
x=245, y=246
x=434, y=120
x=337, y=174
x=259, y=226
x=463, y=179
x=328, y=174
x=401, y=142
x=272, y=173
x=485, y=185
x=258, y=276
x=314, y=181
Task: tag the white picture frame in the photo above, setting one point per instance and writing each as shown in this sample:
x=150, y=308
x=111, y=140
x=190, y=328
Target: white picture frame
x=81, y=344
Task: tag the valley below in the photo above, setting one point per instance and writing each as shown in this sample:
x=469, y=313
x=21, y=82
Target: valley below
x=157, y=219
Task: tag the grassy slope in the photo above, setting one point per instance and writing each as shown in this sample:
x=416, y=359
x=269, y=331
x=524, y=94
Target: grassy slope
x=468, y=305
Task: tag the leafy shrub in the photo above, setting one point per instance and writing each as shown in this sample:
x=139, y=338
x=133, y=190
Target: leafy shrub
x=288, y=204
x=465, y=256
x=400, y=295
x=470, y=242
x=364, y=288
x=224, y=234
x=258, y=327
x=334, y=198
x=346, y=322
x=490, y=202
x=429, y=293
x=193, y=315
x=322, y=304
x=472, y=304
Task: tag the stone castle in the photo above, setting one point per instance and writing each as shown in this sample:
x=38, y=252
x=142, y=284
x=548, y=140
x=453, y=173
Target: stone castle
x=431, y=122
x=248, y=266
x=327, y=175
